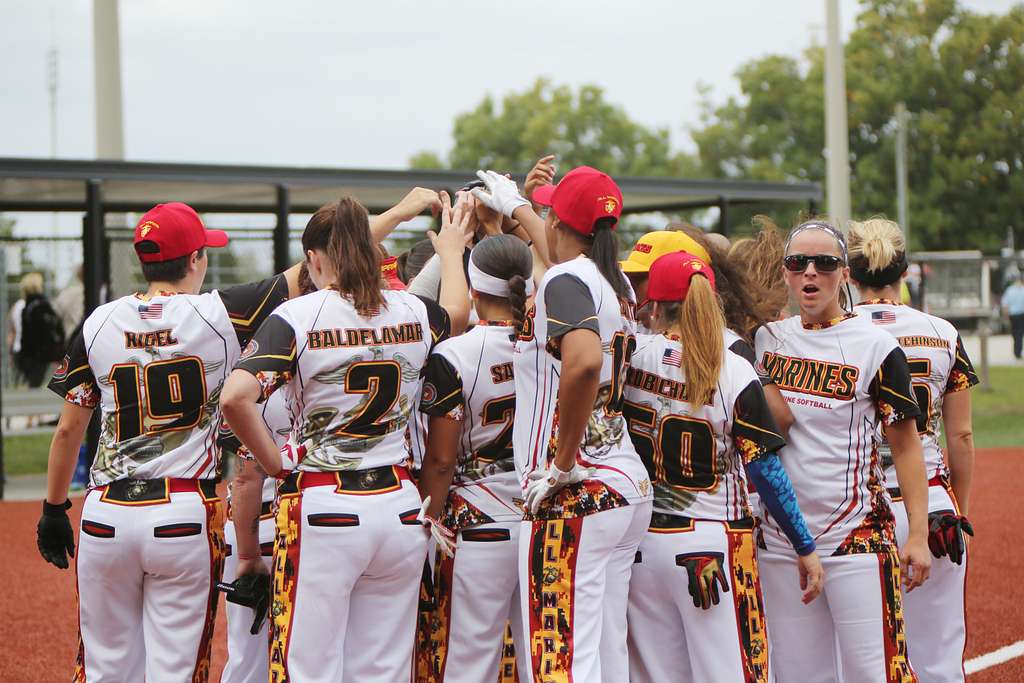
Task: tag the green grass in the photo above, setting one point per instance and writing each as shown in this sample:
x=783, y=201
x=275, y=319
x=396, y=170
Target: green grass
x=26, y=453
x=998, y=414
x=998, y=423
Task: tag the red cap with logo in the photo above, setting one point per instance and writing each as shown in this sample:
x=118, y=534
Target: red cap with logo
x=582, y=197
x=389, y=270
x=170, y=231
x=670, y=276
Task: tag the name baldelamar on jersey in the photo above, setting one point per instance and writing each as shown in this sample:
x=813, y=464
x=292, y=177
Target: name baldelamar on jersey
x=332, y=338
x=820, y=378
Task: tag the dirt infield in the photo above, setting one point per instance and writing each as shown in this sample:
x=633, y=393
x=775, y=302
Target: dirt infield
x=39, y=630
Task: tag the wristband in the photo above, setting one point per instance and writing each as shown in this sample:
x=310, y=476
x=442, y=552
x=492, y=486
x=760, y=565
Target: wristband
x=247, y=557
x=51, y=510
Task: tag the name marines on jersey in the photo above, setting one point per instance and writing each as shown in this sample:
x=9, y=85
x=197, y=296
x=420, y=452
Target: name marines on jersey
x=695, y=455
x=574, y=295
x=351, y=381
x=155, y=368
x=938, y=366
x=842, y=380
x=470, y=378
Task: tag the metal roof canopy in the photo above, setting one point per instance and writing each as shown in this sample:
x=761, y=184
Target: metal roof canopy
x=101, y=187
x=58, y=185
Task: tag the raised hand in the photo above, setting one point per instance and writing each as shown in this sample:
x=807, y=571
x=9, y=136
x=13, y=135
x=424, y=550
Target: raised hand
x=542, y=173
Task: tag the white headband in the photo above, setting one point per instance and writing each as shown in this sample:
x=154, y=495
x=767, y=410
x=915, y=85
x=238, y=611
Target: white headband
x=488, y=284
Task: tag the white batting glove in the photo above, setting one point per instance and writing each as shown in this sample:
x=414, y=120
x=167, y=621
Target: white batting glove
x=442, y=535
x=544, y=484
x=291, y=456
x=502, y=194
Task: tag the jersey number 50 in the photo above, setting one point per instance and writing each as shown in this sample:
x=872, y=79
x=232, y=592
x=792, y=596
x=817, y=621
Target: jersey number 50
x=684, y=453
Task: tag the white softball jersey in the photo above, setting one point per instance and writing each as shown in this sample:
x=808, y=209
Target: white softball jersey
x=574, y=295
x=695, y=455
x=352, y=381
x=155, y=368
x=469, y=378
x=938, y=366
x=842, y=380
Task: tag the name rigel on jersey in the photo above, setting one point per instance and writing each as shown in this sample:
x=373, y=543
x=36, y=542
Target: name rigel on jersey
x=927, y=342
x=146, y=340
x=657, y=385
x=332, y=338
x=821, y=378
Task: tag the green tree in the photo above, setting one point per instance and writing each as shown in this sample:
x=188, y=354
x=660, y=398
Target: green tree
x=961, y=75
x=581, y=127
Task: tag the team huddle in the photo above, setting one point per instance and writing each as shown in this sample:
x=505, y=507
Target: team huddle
x=532, y=462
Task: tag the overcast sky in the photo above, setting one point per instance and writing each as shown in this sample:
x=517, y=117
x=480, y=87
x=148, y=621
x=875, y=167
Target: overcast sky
x=367, y=84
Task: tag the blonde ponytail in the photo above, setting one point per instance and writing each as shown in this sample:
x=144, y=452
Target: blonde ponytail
x=878, y=241
x=700, y=327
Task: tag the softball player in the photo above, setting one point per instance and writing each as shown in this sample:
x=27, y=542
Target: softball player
x=151, y=544
x=248, y=660
x=941, y=373
x=587, y=493
x=350, y=548
x=843, y=377
x=469, y=394
x=698, y=417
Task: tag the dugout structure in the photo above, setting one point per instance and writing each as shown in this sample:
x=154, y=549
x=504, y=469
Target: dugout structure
x=101, y=191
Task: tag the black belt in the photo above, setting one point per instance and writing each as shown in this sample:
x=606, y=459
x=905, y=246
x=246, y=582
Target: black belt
x=151, y=491
x=661, y=521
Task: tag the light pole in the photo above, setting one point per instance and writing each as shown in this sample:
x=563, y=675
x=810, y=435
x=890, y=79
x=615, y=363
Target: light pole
x=836, y=130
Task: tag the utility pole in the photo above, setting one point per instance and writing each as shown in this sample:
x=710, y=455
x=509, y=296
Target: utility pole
x=836, y=129
x=107, y=62
x=902, y=209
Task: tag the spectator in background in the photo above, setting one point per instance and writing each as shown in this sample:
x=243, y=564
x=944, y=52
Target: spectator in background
x=28, y=283
x=1013, y=304
x=42, y=333
x=70, y=303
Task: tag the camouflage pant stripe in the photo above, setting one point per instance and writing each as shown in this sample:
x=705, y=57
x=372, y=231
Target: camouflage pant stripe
x=285, y=577
x=215, y=538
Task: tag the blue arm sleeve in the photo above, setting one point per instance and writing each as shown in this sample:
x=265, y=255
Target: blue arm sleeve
x=776, y=491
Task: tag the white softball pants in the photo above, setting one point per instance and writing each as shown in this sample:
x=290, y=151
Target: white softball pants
x=347, y=571
x=574, y=585
x=147, y=595
x=247, y=654
x=934, y=611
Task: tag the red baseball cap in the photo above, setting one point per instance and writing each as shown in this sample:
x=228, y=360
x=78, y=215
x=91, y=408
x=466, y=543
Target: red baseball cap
x=670, y=276
x=171, y=231
x=582, y=197
x=389, y=270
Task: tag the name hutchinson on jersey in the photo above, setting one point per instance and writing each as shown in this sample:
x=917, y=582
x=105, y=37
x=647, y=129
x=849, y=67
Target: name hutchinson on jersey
x=332, y=338
x=659, y=386
x=805, y=375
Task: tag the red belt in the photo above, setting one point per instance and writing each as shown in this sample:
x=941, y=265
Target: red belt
x=937, y=480
x=350, y=482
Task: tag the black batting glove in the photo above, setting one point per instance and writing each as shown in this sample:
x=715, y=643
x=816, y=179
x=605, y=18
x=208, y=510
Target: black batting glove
x=250, y=590
x=705, y=573
x=946, y=531
x=54, y=536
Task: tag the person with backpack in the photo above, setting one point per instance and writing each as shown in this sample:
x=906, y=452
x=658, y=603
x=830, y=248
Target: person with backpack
x=42, y=333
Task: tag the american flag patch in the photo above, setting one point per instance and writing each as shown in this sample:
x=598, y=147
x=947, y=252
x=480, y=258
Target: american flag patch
x=151, y=311
x=673, y=357
x=883, y=317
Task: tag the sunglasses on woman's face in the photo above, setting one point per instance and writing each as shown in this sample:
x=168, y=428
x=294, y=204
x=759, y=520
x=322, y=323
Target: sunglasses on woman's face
x=823, y=263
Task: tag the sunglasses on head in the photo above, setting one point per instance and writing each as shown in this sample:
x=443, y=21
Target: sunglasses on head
x=824, y=263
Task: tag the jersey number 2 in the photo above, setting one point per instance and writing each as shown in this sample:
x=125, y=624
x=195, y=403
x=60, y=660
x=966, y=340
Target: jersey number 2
x=495, y=411
x=921, y=367
x=175, y=392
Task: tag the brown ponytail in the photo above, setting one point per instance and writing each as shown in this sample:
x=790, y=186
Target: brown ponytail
x=700, y=326
x=342, y=232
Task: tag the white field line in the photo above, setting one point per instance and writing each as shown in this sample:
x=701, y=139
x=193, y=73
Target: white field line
x=1003, y=654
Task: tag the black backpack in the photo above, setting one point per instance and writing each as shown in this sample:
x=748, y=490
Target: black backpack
x=42, y=332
